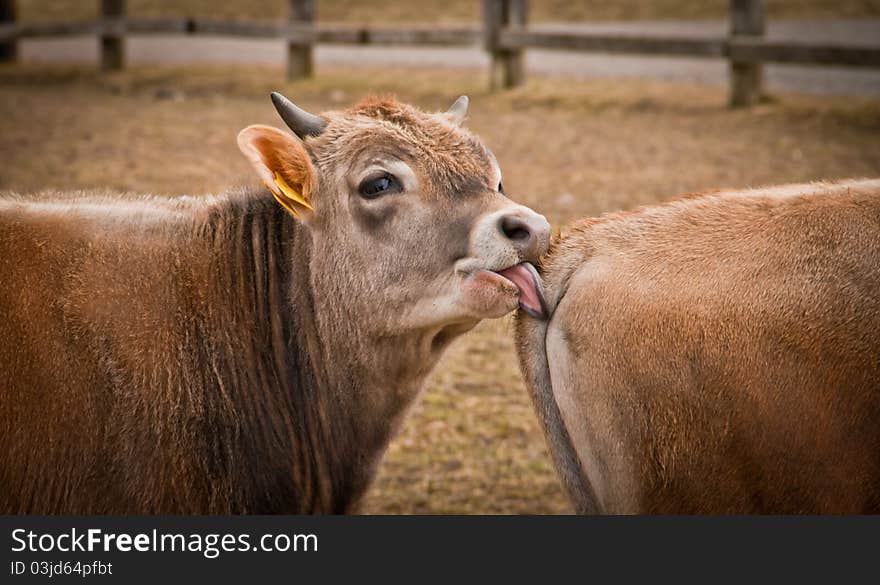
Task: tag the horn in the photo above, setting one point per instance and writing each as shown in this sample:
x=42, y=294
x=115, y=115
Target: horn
x=458, y=110
x=300, y=121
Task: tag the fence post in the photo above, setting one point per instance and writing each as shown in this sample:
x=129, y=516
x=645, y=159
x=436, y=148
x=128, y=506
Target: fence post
x=112, y=35
x=746, y=78
x=507, y=68
x=299, y=52
x=8, y=49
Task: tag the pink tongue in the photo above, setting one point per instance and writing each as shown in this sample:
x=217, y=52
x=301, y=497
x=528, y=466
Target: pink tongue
x=526, y=281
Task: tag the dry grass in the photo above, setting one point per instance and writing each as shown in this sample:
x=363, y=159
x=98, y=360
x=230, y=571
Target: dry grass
x=568, y=149
x=394, y=11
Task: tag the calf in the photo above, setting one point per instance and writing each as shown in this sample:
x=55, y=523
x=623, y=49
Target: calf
x=716, y=354
x=254, y=351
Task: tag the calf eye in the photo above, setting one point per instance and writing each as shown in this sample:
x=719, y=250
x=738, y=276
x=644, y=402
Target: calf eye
x=500, y=187
x=377, y=186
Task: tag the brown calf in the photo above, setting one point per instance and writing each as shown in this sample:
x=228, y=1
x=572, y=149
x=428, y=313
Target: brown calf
x=231, y=354
x=716, y=354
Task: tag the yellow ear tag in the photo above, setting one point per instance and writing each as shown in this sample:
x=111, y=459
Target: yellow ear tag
x=282, y=202
x=291, y=194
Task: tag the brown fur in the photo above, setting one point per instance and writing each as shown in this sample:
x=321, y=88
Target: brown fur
x=716, y=354
x=212, y=354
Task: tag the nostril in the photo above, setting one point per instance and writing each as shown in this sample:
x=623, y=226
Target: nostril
x=515, y=229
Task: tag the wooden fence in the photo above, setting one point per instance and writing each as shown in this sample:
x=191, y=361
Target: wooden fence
x=505, y=34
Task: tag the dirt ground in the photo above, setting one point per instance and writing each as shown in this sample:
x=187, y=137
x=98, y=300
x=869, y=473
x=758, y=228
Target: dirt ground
x=567, y=149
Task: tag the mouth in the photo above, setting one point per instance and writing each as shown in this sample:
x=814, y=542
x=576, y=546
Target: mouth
x=531, y=289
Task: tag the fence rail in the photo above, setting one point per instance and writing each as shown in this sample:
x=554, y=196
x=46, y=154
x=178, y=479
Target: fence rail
x=314, y=34
x=504, y=34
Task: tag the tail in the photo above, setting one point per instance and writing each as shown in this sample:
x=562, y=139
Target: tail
x=531, y=347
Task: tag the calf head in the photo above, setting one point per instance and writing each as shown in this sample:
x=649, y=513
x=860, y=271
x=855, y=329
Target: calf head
x=410, y=227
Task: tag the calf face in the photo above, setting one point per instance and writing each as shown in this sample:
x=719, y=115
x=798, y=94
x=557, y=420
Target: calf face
x=410, y=226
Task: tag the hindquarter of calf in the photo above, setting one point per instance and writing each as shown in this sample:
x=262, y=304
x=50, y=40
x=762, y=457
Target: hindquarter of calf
x=720, y=358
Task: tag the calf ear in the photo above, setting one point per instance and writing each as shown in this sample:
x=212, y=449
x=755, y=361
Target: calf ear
x=283, y=164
